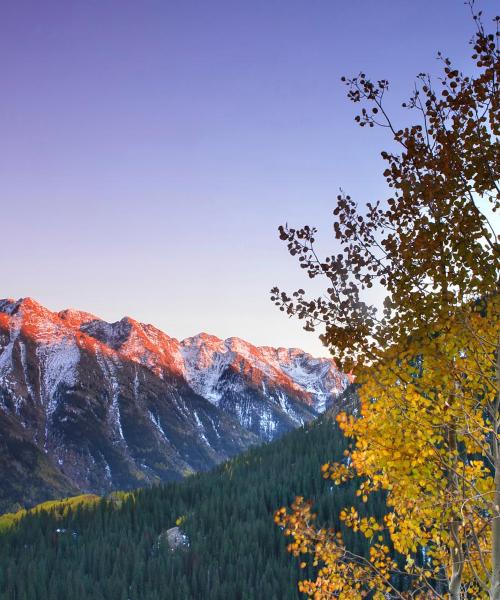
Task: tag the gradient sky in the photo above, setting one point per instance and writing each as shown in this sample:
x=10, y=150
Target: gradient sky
x=150, y=148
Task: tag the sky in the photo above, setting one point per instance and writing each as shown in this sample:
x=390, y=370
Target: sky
x=149, y=149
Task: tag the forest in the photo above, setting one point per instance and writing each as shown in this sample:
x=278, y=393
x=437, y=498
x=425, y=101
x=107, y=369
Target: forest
x=113, y=549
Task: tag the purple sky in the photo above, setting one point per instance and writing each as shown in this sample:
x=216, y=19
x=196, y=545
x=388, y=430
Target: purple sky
x=149, y=149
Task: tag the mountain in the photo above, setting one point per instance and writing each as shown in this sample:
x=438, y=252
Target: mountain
x=91, y=406
x=118, y=549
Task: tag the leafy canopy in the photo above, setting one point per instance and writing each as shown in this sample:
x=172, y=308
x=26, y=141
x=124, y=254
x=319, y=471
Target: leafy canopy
x=426, y=360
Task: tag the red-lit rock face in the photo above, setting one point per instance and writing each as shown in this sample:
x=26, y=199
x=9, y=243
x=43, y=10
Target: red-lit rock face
x=123, y=404
x=198, y=359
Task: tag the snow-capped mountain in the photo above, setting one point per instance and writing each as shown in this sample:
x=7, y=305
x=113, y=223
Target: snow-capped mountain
x=87, y=405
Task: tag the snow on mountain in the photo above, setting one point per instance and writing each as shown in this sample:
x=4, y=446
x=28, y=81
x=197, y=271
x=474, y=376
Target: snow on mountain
x=123, y=404
x=205, y=360
x=316, y=381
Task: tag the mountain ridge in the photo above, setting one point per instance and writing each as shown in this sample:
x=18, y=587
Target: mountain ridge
x=119, y=405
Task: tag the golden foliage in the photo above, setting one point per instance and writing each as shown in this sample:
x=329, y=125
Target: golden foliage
x=428, y=432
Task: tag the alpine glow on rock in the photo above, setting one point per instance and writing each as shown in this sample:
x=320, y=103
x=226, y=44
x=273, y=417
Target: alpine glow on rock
x=87, y=405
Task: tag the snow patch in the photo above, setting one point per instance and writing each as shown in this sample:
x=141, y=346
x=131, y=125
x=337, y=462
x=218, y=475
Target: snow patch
x=200, y=427
x=108, y=369
x=58, y=367
x=157, y=424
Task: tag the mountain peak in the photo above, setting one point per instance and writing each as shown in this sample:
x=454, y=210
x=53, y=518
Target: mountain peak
x=202, y=338
x=116, y=405
x=76, y=318
x=10, y=305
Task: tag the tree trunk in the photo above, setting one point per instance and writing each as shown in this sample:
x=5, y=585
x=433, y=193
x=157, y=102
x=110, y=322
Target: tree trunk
x=495, y=527
x=495, y=541
x=457, y=557
x=457, y=564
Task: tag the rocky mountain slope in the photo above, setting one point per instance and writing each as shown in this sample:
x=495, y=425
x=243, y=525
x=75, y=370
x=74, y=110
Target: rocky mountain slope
x=87, y=405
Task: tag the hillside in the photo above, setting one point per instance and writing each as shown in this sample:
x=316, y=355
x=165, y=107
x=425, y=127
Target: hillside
x=88, y=406
x=116, y=551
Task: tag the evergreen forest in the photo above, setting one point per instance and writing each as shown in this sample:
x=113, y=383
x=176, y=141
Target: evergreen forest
x=113, y=549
